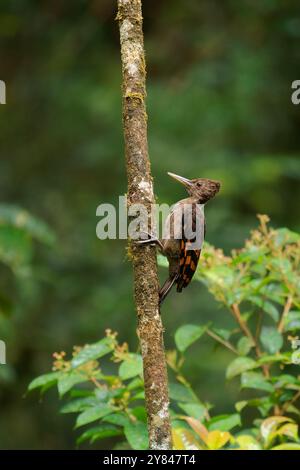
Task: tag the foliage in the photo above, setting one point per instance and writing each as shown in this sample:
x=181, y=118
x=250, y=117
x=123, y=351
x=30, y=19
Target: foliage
x=219, y=86
x=112, y=405
x=19, y=230
x=259, y=285
x=272, y=433
x=115, y=399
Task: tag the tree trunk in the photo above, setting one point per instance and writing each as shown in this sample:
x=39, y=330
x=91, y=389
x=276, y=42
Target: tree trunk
x=140, y=190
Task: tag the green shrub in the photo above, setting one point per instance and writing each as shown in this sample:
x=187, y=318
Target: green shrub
x=259, y=286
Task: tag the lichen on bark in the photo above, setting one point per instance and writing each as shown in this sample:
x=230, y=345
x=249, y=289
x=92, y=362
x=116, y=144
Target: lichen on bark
x=140, y=190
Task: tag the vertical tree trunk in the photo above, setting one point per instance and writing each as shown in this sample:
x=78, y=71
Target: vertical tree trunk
x=140, y=190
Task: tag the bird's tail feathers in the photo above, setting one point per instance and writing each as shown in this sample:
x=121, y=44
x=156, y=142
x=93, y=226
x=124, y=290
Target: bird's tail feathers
x=165, y=289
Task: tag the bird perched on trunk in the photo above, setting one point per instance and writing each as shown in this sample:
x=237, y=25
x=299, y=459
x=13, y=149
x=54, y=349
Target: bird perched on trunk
x=184, y=232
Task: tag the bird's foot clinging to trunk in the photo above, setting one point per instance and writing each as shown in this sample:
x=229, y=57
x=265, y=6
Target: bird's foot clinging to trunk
x=152, y=240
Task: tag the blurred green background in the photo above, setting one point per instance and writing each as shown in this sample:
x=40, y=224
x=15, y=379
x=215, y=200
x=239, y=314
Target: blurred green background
x=219, y=105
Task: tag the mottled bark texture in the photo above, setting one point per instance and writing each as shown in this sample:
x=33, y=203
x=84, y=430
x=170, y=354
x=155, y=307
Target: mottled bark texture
x=140, y=190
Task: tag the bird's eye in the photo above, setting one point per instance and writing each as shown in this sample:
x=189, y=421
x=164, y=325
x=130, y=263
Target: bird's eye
x=199, y=184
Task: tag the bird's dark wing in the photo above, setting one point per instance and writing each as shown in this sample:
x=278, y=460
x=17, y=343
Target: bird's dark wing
x=188, y=265
x=189, y=258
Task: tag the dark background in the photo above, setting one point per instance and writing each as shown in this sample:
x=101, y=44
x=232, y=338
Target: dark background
x=219, y=105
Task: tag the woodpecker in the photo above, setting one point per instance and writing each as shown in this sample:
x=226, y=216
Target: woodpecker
x=184, y=232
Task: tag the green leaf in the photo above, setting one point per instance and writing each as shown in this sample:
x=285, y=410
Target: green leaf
x=253, y=253
x=184, y=439
x=181, y=393
x=287, y=446
x=285, y=380
x=255, y=380
x=131, y=367
x=270, y=425
x=137, y=382
x=271, y=339
x=188, y=334
x=263, y=405
x=284, y=236
x=224, y=422
x=80, y=393
x=282, y=357
x=266, y=306
x=240, y=405
x=292, y=321
x=224, y=334
x=93, y=414
x=293, y=410
x=80, y=404
x=275, y=292
x=43, y=380
x=246, y=442
x=289, y=430
x=140, y=413
x=239, y=365
x=283, y=266
x=222, y=276
x=137, y=435
x=217, y=439
x=91, y=352
x=138, y=396
x=103, y=394
x=119, y=418
x=99, y=432
x=67, y=380
x=194, y=410
x=21, y=219
x=244, y=346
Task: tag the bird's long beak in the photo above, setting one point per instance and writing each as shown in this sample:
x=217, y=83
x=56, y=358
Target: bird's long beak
x=181, y=179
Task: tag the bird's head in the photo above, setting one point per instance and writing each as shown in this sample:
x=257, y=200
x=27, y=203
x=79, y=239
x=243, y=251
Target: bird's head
x=201, y=188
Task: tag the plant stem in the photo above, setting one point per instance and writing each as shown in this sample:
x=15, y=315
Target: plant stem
x=222, y=341
x=244, y=327
x=96, y=383
x=285, y=312
x=140, y=190
x=293, y=400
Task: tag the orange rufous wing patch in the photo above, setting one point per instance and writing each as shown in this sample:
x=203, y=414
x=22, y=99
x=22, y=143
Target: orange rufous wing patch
x=188, y=265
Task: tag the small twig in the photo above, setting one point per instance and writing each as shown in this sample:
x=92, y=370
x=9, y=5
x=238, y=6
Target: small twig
x=293, y=400
x=285, y=312
x=222, y=341
x=258, y=325
x=244, y=327
x=96, y=383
